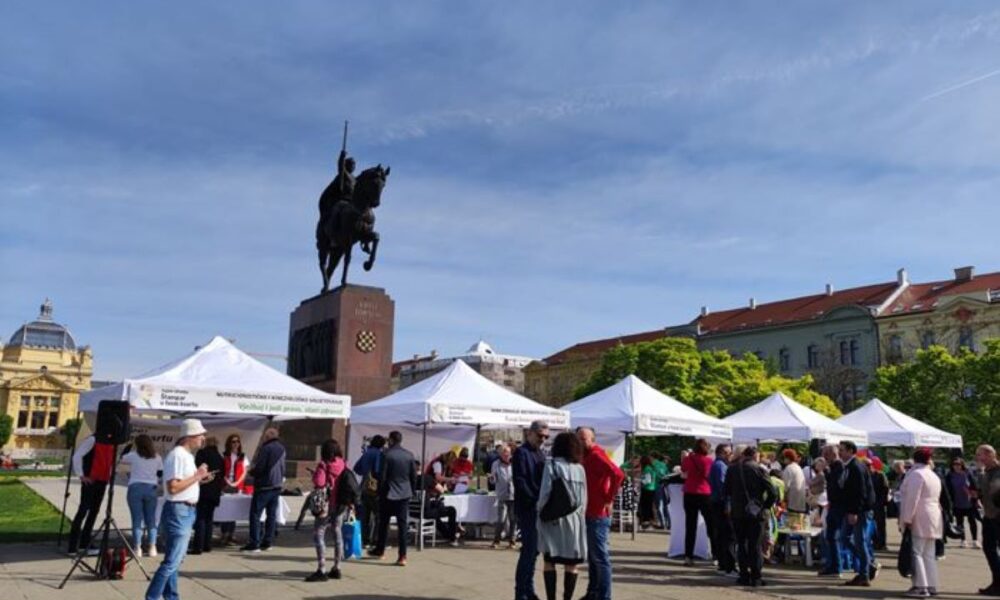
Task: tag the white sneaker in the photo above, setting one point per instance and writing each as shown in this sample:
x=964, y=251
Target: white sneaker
x=964, y=544
x=151, y=552
x=976, y=544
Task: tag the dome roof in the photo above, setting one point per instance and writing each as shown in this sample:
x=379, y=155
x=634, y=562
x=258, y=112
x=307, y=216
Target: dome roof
x=43, y=332
x=480, y=347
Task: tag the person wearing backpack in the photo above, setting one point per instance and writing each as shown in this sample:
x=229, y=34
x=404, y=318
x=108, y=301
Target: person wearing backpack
x=328, y=512
x=367, y=468
x=562, y=498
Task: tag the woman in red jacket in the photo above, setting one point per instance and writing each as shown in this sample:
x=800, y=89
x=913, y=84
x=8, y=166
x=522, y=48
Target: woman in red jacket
x=695, y=469
x=234, y=473
x=328, y=470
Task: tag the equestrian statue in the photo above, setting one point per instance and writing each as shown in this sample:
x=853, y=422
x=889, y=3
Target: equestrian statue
x=347, y=215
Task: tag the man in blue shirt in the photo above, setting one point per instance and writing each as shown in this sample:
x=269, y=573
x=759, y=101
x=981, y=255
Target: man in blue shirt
x=722, y=542
x=528, y=464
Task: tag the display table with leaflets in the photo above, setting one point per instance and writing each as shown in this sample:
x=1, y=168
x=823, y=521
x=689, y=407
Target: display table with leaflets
x=473, y=508
x=236, y=507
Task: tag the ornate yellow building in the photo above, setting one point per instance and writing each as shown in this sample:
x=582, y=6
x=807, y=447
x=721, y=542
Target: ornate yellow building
x=41, y=376
x=956, y=313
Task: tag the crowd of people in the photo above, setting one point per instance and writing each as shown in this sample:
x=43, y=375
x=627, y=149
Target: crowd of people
x=848, y=494
x=560, y=504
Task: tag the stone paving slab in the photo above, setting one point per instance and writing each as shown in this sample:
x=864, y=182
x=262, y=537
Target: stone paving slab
x=32, y=572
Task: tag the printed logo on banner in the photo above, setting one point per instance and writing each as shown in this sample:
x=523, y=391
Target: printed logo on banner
x=365, y=341
x=146, y=395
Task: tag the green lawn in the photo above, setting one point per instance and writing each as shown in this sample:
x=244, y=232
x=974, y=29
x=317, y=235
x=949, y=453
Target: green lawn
x=24, y=515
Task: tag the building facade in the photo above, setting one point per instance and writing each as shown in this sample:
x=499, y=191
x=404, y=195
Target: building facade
x=42, y=373
x=831, y=336
x=957, y=313
x=554, y=379
x=506, y=370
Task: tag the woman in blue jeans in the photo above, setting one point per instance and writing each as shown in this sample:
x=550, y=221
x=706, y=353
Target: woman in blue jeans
x=143, y=486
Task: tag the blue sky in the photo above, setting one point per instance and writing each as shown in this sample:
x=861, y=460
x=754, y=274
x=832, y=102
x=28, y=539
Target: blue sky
x=560, y=171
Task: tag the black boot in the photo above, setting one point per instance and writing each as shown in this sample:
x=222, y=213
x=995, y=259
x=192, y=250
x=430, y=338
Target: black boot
x=569, y=583
x=550, y=584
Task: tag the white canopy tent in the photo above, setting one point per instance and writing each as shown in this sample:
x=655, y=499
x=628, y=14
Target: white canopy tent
x=445, y=404
x=632, y=407
x=886, y=426
x=220, y=378
x=458, y=396
x=778, y=418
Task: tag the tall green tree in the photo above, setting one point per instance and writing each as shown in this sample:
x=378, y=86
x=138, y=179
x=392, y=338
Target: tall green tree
x=70, y=429
x=6, y=428
x=713, y=382
x=955, y=392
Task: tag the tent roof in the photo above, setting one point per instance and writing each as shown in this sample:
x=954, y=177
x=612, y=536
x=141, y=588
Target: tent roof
x=887, y=426
x=633, y=406
x=459, y=395
x=220, y=378
x=778, y=418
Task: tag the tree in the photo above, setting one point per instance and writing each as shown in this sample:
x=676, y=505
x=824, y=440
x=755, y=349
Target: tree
x=712, y=381
x=6, y=428
x=955, y=392
x=835, y=379
x=70, y=429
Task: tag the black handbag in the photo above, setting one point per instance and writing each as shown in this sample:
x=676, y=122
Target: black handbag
x=904, y=562
x=560, y=503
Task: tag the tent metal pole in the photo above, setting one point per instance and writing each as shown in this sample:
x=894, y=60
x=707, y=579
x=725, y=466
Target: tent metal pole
x=476, y=458
x=347, y=438
x=420, y=494
x=69, y=475
x=630, y=450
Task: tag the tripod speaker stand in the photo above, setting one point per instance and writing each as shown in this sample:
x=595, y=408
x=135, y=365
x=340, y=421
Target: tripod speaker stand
x=112, y=429
x=101, y=568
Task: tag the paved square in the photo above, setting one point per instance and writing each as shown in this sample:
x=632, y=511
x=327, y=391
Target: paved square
x=32, y=572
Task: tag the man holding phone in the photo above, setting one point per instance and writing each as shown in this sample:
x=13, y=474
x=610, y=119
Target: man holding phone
x=180, y=482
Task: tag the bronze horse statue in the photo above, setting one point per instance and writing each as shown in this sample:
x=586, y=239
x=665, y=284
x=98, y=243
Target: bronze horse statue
x=350, y=222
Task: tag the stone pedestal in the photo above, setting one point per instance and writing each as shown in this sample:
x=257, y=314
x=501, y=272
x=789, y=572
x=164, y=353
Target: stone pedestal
x=339, y=342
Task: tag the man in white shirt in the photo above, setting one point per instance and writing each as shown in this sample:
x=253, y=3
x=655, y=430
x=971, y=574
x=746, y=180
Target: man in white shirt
x=180, y=481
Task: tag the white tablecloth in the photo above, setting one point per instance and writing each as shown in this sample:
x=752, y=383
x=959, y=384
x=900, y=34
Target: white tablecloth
x=473, y=508
x=236, y=507
x=677, y=527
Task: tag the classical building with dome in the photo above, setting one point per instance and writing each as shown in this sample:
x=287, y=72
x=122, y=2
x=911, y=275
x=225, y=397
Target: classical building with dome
x=503, y=369
x=42, y=372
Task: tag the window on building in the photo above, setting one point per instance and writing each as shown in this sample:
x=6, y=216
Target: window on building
x=845, y=353
x=927, y=339
x=41, y=402
x=24, y=412
x=813, y=356
x=508, y=383
x=966, y=338
x=38, y=419
x=55, y=402
x=895, y=347
x=785, y=360
x=855, y=352
x=53, y=419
